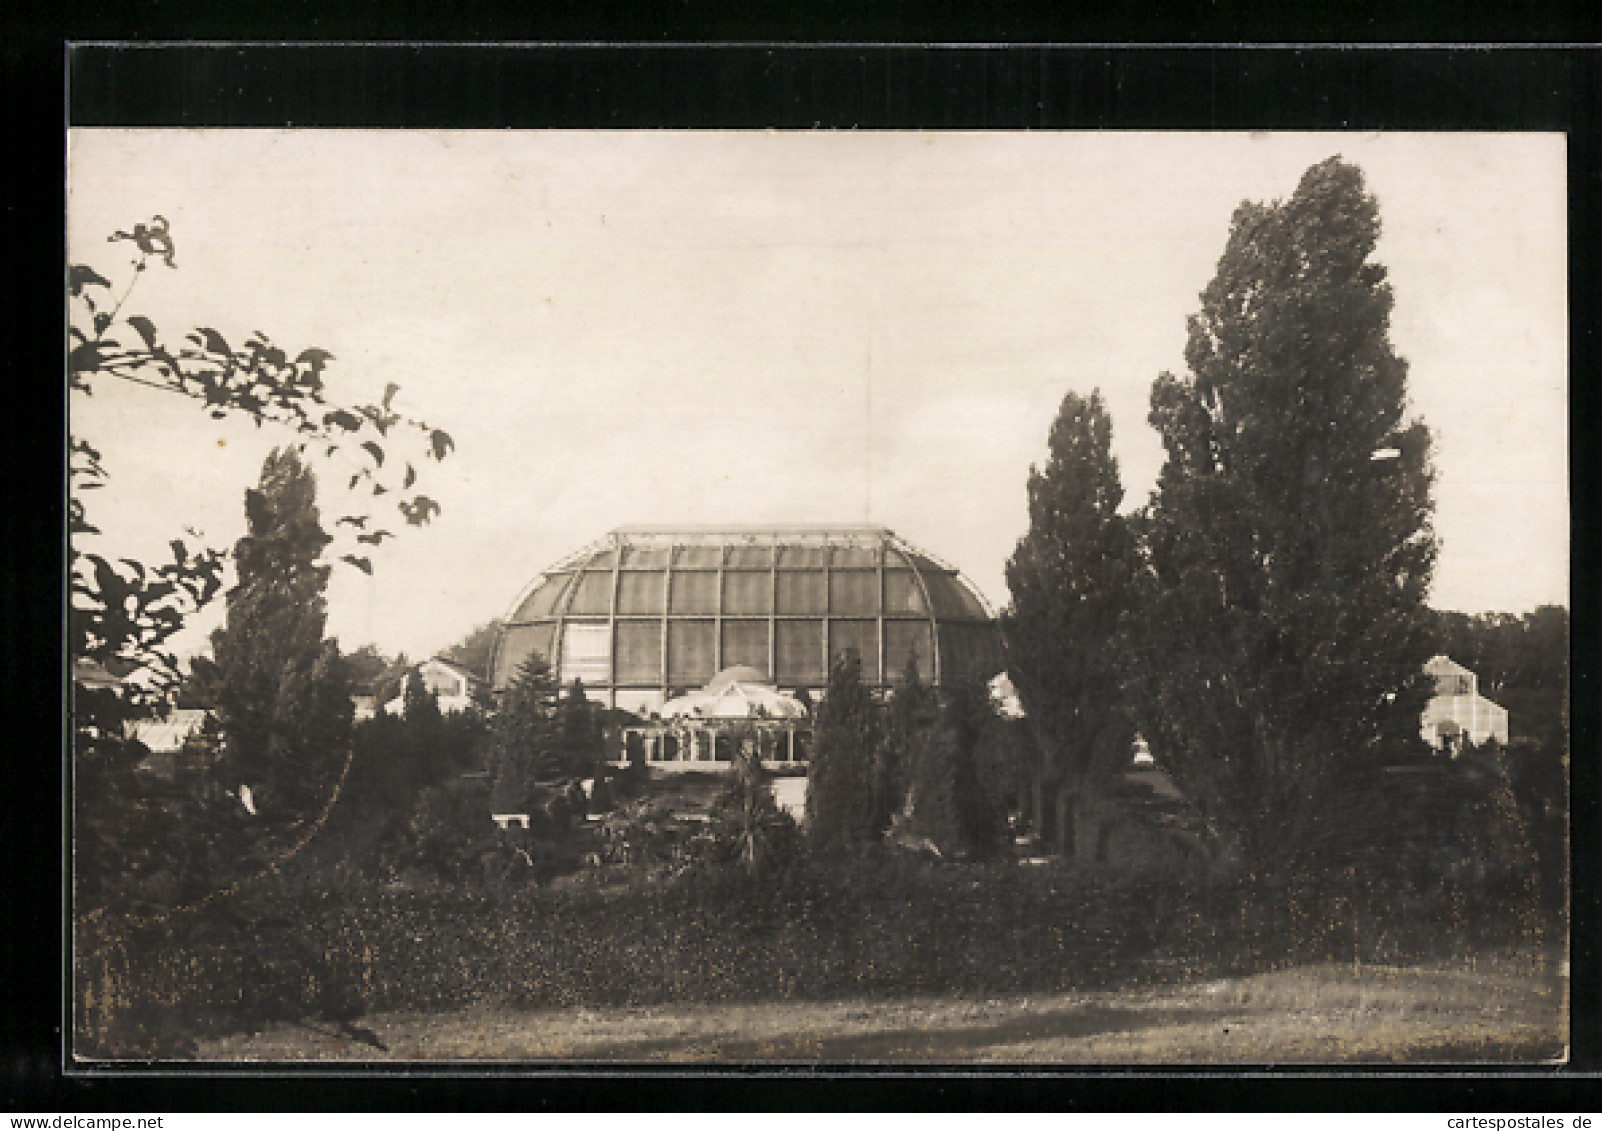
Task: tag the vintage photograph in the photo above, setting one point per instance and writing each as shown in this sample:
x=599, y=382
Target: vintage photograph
x=818, y=597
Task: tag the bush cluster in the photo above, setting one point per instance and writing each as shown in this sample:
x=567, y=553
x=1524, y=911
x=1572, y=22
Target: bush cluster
x=883, y=925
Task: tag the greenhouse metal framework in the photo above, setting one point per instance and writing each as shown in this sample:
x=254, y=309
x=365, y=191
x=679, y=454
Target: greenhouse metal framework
x=646, y=613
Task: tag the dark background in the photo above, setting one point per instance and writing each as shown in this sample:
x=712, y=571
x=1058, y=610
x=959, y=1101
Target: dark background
x=771, y=80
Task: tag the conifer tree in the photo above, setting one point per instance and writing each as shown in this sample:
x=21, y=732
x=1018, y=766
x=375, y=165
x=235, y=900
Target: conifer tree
x=124, y=611
x=426, y=750
x=420, y=705
x=282, y=694
x=909, y=728
x=580, y=749
x=950, y=804
x=1074, y=578
x=1290, y=530
x=840, y=803
x=525, y=736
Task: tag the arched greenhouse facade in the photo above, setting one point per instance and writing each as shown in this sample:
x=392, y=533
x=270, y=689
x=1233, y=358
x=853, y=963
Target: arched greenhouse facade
x=647, y=614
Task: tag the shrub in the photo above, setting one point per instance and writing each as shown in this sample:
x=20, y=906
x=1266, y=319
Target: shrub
x=875, y=924
x=449, y=830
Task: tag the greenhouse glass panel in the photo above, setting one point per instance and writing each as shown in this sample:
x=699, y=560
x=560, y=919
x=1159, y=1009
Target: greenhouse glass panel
x=890, y=599
x=854, y=592
x=904, y=639
x=542, y=602
x=646, y=557
x=690, y=652
x=593, y=595
x=639, y=702
x=801, y=593
x=855, y=557
x=902, y=595
x=861, y=637
x=699, y=557
x=745, y=644
x=802, y=557
x=640, y=594
x=970, y=604
x=747, y=593
x=968, y=651
x=951, y=598
x=586, y=653
x=750, y=557
x=518, y=644
x=639, y=652
x=694, y=593
x=799, y=645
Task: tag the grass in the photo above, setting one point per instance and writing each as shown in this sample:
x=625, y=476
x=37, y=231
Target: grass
x=882, y=931
x=1508, y=1007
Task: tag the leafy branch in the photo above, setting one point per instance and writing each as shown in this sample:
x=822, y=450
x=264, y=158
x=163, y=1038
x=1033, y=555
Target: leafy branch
x=126, y=610
x=257, y=379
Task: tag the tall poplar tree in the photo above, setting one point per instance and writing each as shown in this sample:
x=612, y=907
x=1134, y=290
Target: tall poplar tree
x=1073, y=579
x=1290, y=531
x=281, y=690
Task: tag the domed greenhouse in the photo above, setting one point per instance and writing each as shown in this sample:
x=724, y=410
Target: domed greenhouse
x=647, y=614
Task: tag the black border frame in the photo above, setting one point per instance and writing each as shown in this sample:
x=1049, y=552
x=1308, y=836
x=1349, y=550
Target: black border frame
x=786, y=85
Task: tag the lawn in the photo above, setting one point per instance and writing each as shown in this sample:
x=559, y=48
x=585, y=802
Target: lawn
x=883, y=959
x=1503, y=1007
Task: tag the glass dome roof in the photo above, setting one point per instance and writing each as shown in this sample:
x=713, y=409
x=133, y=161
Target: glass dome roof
x=647, y=613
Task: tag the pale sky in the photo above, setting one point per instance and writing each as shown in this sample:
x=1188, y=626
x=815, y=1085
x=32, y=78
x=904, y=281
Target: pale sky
x=622, y=328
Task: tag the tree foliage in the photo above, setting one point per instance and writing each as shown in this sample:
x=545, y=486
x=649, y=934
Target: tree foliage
x=1523, y=664
x=475, y=650
x=523, y=733
x=448, y=832
x=910, y=719
x=748, y=825
x=376, y=674
x=282, y=693
x=580, y=745
x=1074, y=579
x=120, y=831
x=411, y=798
x=1519, y=660
x=1290, y=531
x=279, y=691
x=420, y=709
x=951, y=804
x=1009, y=756
x=841, y=814
x=123, y=611
x=541, y=736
